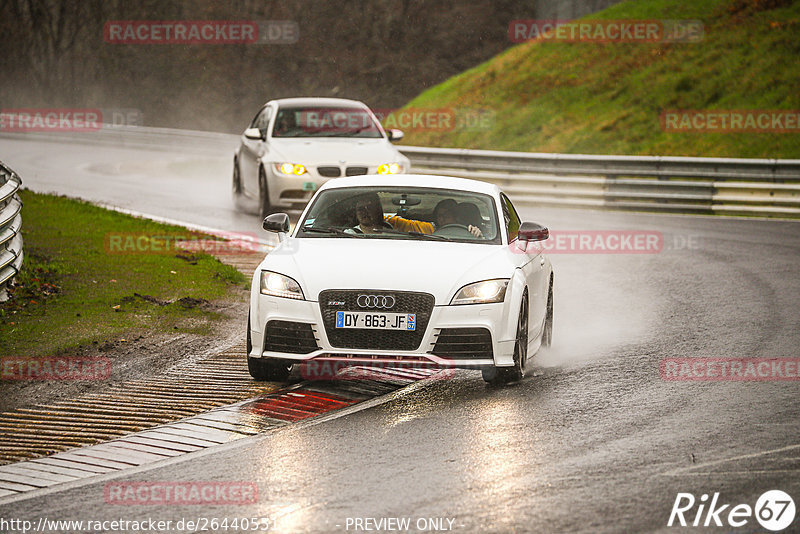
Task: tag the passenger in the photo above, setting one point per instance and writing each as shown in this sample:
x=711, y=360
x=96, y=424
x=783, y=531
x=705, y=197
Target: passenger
x=443, y=214
x=369, y=215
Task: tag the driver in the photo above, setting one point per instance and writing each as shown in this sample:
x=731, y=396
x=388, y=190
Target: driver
x=468, y=214
x=285, y=124
x=369, y=214
x=445, y=212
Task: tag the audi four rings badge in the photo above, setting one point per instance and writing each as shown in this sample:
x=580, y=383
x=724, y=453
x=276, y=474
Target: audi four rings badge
x=376, y=301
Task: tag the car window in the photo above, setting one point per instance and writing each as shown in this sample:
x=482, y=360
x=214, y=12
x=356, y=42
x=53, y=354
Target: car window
x=262, y=121
x=255, y=119
x=402, y=213
x=321, y=121
x=511, y=218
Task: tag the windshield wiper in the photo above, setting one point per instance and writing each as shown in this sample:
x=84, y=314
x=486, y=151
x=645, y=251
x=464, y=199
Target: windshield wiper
x=328, y=230
x=351, y=133
x=432, y=236
x=412, y=233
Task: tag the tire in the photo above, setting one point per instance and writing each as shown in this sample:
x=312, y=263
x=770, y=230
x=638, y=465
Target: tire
x=265, y=208
x=236, y=182
x=263, y=369
x=504, y=375
x=269, y=369
x=237, y=192
x=249, y=341
x=489, y=374
x=547, y=334
x=517, y=372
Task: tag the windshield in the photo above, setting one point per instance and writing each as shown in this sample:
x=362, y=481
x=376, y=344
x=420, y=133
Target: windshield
x=402, y=213
x=320, y=121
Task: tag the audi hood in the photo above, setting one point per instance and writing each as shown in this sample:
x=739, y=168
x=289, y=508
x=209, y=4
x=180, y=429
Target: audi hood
x=435, y=267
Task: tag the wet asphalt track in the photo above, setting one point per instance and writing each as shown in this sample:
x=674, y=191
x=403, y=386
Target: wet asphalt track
x=596, y=442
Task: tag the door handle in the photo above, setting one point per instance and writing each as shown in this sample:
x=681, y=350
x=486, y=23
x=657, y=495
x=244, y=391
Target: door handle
x=541, y=262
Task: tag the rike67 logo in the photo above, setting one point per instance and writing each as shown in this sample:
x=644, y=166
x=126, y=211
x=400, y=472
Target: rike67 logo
x=774, y=510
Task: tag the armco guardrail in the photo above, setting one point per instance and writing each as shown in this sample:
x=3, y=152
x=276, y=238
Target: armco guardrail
x=762, y=187
x=10, y=225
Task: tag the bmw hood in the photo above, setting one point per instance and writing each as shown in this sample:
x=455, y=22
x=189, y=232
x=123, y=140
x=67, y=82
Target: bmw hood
x=331, y=151
x=434, y=267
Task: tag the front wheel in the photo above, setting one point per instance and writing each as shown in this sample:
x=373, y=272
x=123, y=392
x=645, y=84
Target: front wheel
x=264, y=205
x=263, y=369
x=515, y=373
x=489, y=374
x=237, y=192
x=236, y=182
x=268, y=369
x=547, y=334
x=248, y=339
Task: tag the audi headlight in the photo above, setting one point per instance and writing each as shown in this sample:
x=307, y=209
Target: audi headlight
x=390, y=168
x=482, y=292
x=279, y=285
x=290, y=168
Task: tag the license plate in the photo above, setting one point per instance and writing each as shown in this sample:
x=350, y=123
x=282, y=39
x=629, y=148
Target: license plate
x=309, y=186
x=376, y=321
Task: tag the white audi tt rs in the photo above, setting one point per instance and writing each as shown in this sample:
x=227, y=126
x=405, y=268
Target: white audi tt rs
x=402, y=270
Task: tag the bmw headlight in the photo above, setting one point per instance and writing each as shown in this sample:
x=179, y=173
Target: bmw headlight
x=482, y=292
x=278, y=285
x=390, y=168
x=290, y=168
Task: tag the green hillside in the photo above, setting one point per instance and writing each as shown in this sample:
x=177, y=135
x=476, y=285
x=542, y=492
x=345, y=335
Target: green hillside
x=607, y=98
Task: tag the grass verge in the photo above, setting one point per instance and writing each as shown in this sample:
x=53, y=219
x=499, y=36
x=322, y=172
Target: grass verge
x=76, y=289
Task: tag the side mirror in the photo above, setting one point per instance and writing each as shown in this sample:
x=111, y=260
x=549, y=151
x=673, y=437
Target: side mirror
x=253, y=133
x=394, y=134
x=531, y=231
x=277, y=222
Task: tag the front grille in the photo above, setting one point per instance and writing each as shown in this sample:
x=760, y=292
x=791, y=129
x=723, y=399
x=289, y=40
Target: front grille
x=288, y=336
x=464, y=344
x=330, y=172
x=351, y=338
x=355, y=171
